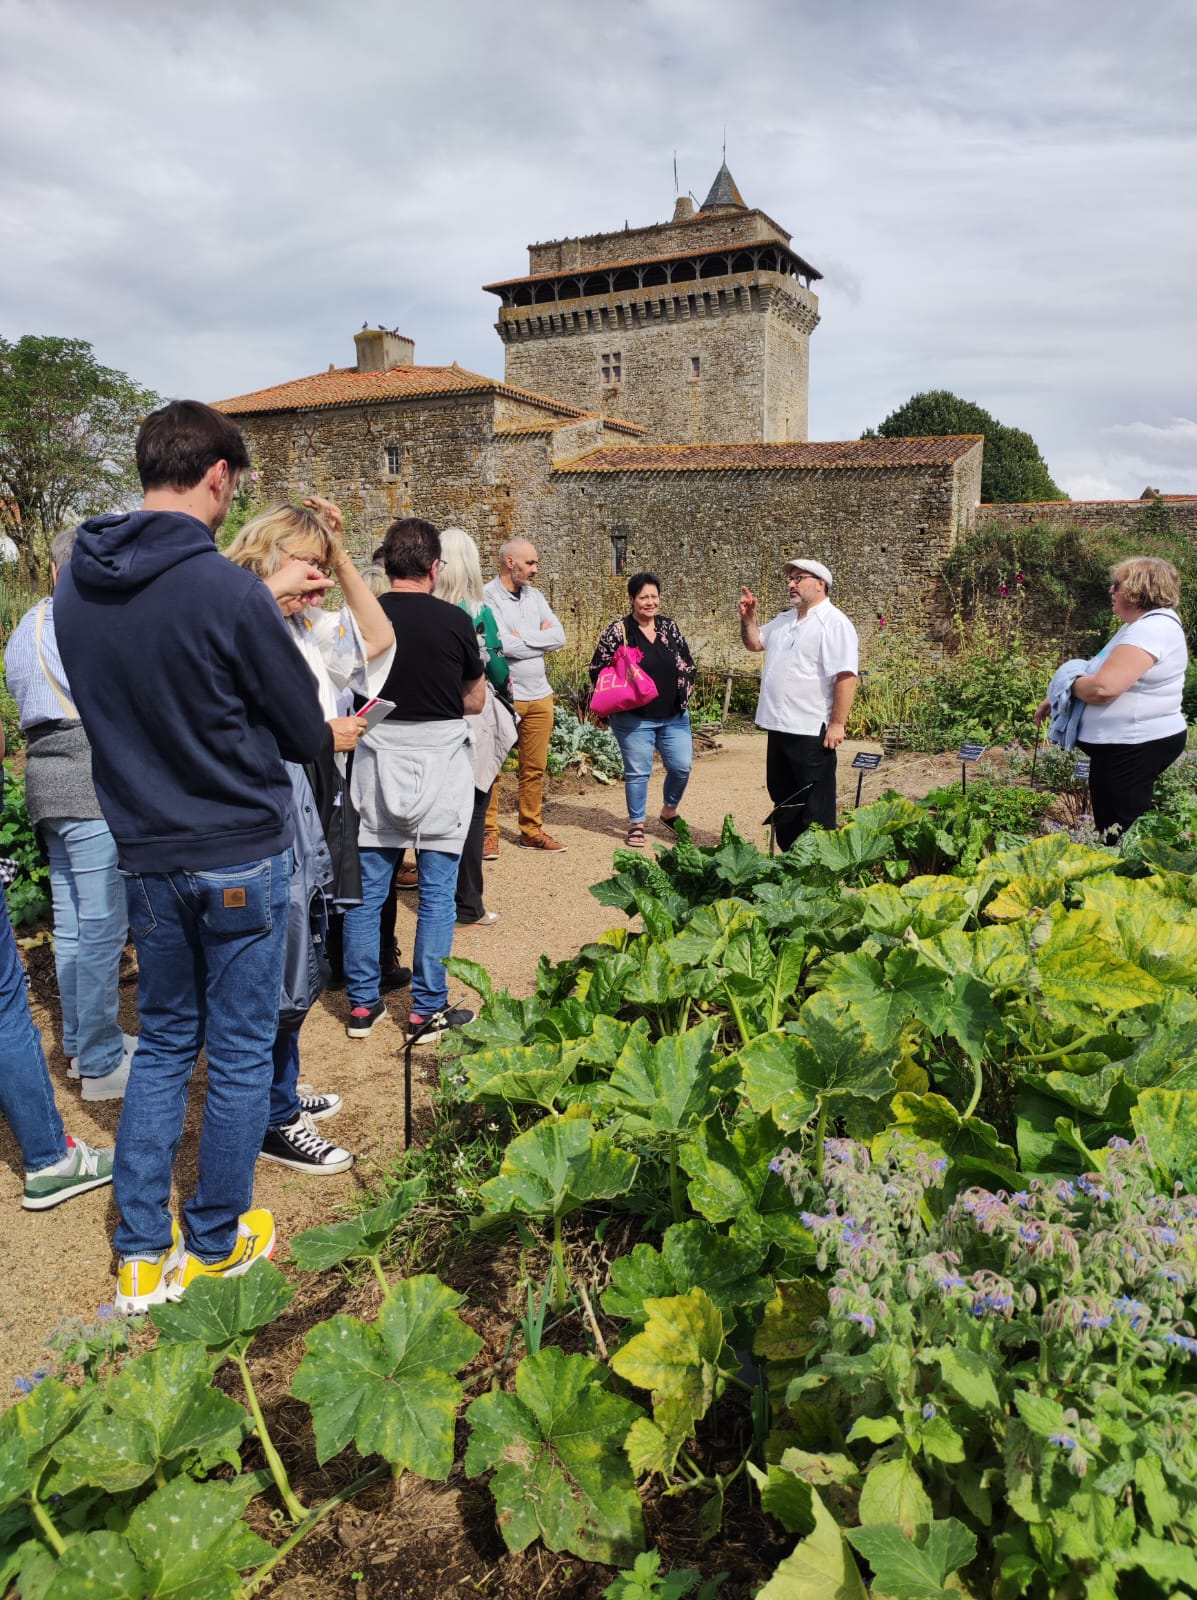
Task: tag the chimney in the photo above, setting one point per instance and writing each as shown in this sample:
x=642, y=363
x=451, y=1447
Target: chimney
x=380, y=349
x=684, y=208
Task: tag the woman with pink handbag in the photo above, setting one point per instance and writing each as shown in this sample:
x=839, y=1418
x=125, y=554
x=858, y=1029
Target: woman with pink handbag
x=643, y=675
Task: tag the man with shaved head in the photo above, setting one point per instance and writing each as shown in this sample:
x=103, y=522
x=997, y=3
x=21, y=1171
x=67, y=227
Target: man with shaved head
x=529, y=631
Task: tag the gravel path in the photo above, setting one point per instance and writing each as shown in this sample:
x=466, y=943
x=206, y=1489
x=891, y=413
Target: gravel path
x=58, y=1264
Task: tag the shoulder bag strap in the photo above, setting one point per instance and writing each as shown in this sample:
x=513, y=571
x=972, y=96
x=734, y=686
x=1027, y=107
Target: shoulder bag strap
x=68, y=710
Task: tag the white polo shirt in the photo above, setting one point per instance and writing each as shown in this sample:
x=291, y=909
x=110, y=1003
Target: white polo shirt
x=802, y=660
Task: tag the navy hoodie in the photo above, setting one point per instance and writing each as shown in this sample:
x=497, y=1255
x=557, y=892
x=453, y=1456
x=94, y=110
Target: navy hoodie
x=190, y=690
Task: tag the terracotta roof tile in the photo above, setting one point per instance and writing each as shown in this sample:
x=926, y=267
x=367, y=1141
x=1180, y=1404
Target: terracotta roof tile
x=346, y=386
x=832, y=456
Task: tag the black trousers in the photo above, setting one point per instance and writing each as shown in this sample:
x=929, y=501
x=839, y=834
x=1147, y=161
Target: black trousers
x=470, y=907
x=800, y=777
x=1122, y=779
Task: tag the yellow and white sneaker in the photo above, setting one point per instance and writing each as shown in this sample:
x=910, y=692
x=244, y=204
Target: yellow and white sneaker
x=141, y=1283
x=255, y=1242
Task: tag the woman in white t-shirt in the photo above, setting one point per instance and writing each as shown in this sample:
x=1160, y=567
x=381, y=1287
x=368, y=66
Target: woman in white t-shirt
x=1132, y=726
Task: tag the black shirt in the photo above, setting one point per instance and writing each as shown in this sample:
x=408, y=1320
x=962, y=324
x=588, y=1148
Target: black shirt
x=436, y=655
x=658, y=660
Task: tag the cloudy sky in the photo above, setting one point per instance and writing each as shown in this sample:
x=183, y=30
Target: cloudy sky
x=999, y=193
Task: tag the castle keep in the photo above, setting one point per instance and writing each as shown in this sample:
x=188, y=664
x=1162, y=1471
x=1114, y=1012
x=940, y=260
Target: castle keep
x=652, y=413
x=696, y=328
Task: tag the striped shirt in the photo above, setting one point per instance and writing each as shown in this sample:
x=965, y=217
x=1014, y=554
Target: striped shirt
x=27, y=683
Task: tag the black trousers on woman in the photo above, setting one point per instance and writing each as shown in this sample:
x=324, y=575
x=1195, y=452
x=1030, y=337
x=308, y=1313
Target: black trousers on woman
x=469, y=872
x=1122, y=779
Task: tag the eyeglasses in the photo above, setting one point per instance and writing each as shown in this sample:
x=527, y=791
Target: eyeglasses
x=296, y=555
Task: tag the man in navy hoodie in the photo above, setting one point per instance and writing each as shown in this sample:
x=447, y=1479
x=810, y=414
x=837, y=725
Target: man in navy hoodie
x=192, y=696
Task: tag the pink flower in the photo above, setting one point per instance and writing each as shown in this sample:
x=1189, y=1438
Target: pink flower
x=1019, y=578
x=1003, y=589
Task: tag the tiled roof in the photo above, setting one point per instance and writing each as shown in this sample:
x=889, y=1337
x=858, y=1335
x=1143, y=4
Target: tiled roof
x=505, y=429
x=829, y=457
x=346, y=386
x=724, y=191
x=648, y=261
x=1032, y=505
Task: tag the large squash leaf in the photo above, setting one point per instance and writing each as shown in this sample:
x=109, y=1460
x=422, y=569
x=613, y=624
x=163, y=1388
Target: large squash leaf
x=554, y=1169
x=390, y=1386
x=555, y=1447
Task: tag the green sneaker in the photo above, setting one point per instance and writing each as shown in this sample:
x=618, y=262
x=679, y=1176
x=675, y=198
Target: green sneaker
x=142, y=1283
x=89, y=1169
x=255, y=1242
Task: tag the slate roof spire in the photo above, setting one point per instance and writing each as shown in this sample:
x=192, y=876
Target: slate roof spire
x=724, y=192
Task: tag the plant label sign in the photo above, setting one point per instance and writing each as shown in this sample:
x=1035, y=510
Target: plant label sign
x=864, y=761
x=1080, y=769
x=968, y=752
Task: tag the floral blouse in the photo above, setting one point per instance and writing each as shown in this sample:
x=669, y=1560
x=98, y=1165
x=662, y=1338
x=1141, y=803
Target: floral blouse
x=670, y=635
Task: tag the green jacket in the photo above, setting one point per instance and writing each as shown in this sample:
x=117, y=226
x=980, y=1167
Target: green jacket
x=494, y=661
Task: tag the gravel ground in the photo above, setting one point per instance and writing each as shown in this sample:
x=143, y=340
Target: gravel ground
x=58, y=1264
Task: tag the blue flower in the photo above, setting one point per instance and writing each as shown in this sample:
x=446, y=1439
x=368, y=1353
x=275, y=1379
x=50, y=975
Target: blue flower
x=864, y=1320
x=950, y=1280
x=1135, y=1311
x=775, y=1164
x=929, y=1412
x=1020, y=1198
x=940, y=1164
x=1180, y=1340
x=1166, y=1235
x=1064, y=1440
x=1090, y=1319
x=1119, y=1144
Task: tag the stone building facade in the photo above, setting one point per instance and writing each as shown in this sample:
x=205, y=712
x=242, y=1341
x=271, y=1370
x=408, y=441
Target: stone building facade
x=603, y=474
x=697, y=328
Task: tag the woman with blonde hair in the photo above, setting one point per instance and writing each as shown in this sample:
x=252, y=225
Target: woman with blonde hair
x=1123, y=708
x=348, y=650
x=459, y=581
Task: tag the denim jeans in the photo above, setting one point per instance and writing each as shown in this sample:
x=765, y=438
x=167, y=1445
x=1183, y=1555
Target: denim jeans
x=26, y=1096
x=210, y=954
x=284, y=1083
x=435, y=918
x=637, y=738
x=90, y=925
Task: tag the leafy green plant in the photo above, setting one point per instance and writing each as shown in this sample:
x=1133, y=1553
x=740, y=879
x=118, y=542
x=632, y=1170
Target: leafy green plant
x=1020, y=1364
x=28, y=895
x=645, y=1581
x=585, y=745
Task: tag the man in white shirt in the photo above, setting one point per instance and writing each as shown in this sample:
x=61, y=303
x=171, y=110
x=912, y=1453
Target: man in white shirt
x=528, y=631
x=808, y=683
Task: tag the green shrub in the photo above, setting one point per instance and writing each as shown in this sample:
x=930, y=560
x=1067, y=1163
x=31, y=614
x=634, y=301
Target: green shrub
x=28, y=895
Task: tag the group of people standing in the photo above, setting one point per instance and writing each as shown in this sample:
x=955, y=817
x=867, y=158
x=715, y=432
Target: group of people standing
x=199, y=769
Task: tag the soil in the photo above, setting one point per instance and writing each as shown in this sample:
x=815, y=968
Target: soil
x=407, y=1538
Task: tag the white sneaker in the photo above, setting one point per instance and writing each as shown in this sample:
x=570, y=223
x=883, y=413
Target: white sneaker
x=130, y=1041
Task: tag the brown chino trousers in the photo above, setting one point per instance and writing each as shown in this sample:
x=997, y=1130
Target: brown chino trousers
x=532, y=743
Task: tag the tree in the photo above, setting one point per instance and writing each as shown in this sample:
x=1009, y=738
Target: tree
x=1011, y=468
x=67, y=430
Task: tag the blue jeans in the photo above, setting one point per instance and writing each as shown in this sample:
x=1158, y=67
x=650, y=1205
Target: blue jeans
x=210, y=954
x=90, y=925
x=26, y=1097
x=435, y=918
x=637, y=738
x=284, y=1084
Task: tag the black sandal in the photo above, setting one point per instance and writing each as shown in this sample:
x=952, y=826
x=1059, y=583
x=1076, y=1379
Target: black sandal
x=635, y=839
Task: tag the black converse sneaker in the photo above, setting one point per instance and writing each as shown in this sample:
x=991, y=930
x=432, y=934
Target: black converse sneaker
x=318, y=1105
x=430, y=1028
x=298, y=1145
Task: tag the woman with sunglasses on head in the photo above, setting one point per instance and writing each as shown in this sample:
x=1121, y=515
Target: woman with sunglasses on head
x=347, y=650
x=1124, y=709
x=663, y=724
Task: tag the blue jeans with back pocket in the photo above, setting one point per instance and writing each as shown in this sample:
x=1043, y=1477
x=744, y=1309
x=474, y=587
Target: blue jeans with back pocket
x=210, y=958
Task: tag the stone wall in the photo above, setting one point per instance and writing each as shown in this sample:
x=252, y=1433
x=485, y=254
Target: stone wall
x=727, y=362
x=882, y=531
x=1177, y=514
x=702, y=232
x=499, y=470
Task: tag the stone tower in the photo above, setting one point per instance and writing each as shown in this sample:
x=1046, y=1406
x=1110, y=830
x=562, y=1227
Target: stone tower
x=697, y=328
